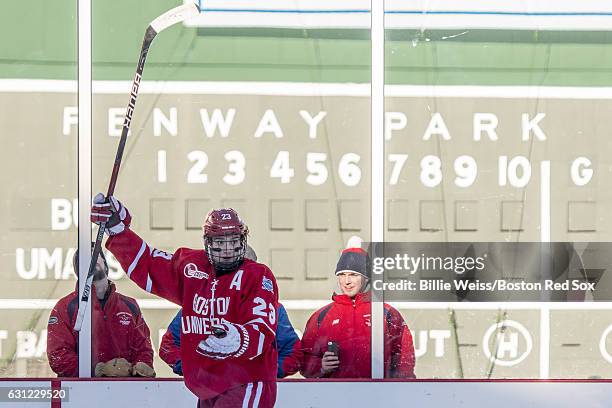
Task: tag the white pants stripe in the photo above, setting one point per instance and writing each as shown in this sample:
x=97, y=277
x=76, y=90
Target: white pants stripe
x=249, y=391
x=257, y=394
x=247, y=395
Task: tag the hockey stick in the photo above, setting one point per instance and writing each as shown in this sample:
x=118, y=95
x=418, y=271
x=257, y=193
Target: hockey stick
x=169, y=18
x=453, y=322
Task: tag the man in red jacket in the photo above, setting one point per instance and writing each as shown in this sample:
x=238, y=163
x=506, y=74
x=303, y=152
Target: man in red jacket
x=121, y=343
x=336, y=341
x=229, y=304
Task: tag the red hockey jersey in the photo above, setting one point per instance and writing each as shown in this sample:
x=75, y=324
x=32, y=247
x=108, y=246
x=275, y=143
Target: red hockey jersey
x=247, y=296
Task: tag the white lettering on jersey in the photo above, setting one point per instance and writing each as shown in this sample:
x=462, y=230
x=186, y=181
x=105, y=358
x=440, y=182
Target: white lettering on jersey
x=222, y=305
x=237, y=280
x=260, y=307
x=200, y=305
x=198, y=325
x=260, y=310
x=204, y=306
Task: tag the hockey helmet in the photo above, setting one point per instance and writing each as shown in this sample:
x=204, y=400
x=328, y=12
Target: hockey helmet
x=225, y=239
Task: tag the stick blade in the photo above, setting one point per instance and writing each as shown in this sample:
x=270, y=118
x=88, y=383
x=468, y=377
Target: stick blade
x=176, y=15
x=78, y=323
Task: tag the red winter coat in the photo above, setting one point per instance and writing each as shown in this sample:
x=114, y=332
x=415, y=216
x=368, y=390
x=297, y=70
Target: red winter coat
x=118, y=330
x=247, y=296
x=347, y=322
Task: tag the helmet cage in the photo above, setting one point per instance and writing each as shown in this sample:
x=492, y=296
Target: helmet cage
x=225, y=264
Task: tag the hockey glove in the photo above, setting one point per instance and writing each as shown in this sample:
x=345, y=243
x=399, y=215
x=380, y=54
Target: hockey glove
x=111, y=211
x=117, y=367
x=233, y=344
x=141, y=369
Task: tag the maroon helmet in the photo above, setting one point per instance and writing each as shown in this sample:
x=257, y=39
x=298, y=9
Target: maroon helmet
x=225, y=239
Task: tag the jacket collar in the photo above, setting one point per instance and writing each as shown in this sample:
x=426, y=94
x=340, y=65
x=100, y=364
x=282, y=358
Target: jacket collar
x=359, y=298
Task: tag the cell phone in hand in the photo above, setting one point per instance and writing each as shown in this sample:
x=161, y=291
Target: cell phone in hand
x=332, y=347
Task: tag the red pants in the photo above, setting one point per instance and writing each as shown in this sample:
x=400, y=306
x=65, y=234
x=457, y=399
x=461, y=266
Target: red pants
x=251, y=395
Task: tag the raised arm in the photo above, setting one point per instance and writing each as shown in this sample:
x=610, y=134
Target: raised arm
x=151, y=269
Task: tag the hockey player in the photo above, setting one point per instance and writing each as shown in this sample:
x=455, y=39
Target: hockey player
x=336, y=341
x=229, y=304
x=287, y=341
x=121, y=344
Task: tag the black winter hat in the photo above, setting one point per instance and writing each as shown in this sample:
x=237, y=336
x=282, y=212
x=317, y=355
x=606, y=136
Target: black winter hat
x=75, y=260
x=354, y=260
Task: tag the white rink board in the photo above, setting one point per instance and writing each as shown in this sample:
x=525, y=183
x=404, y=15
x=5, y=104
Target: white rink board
x=132, y=394
x=445, y=394
x=298, y=394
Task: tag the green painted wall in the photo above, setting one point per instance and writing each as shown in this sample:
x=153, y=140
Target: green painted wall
x=41, y=42
x=487, y=57
x=38, y=39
